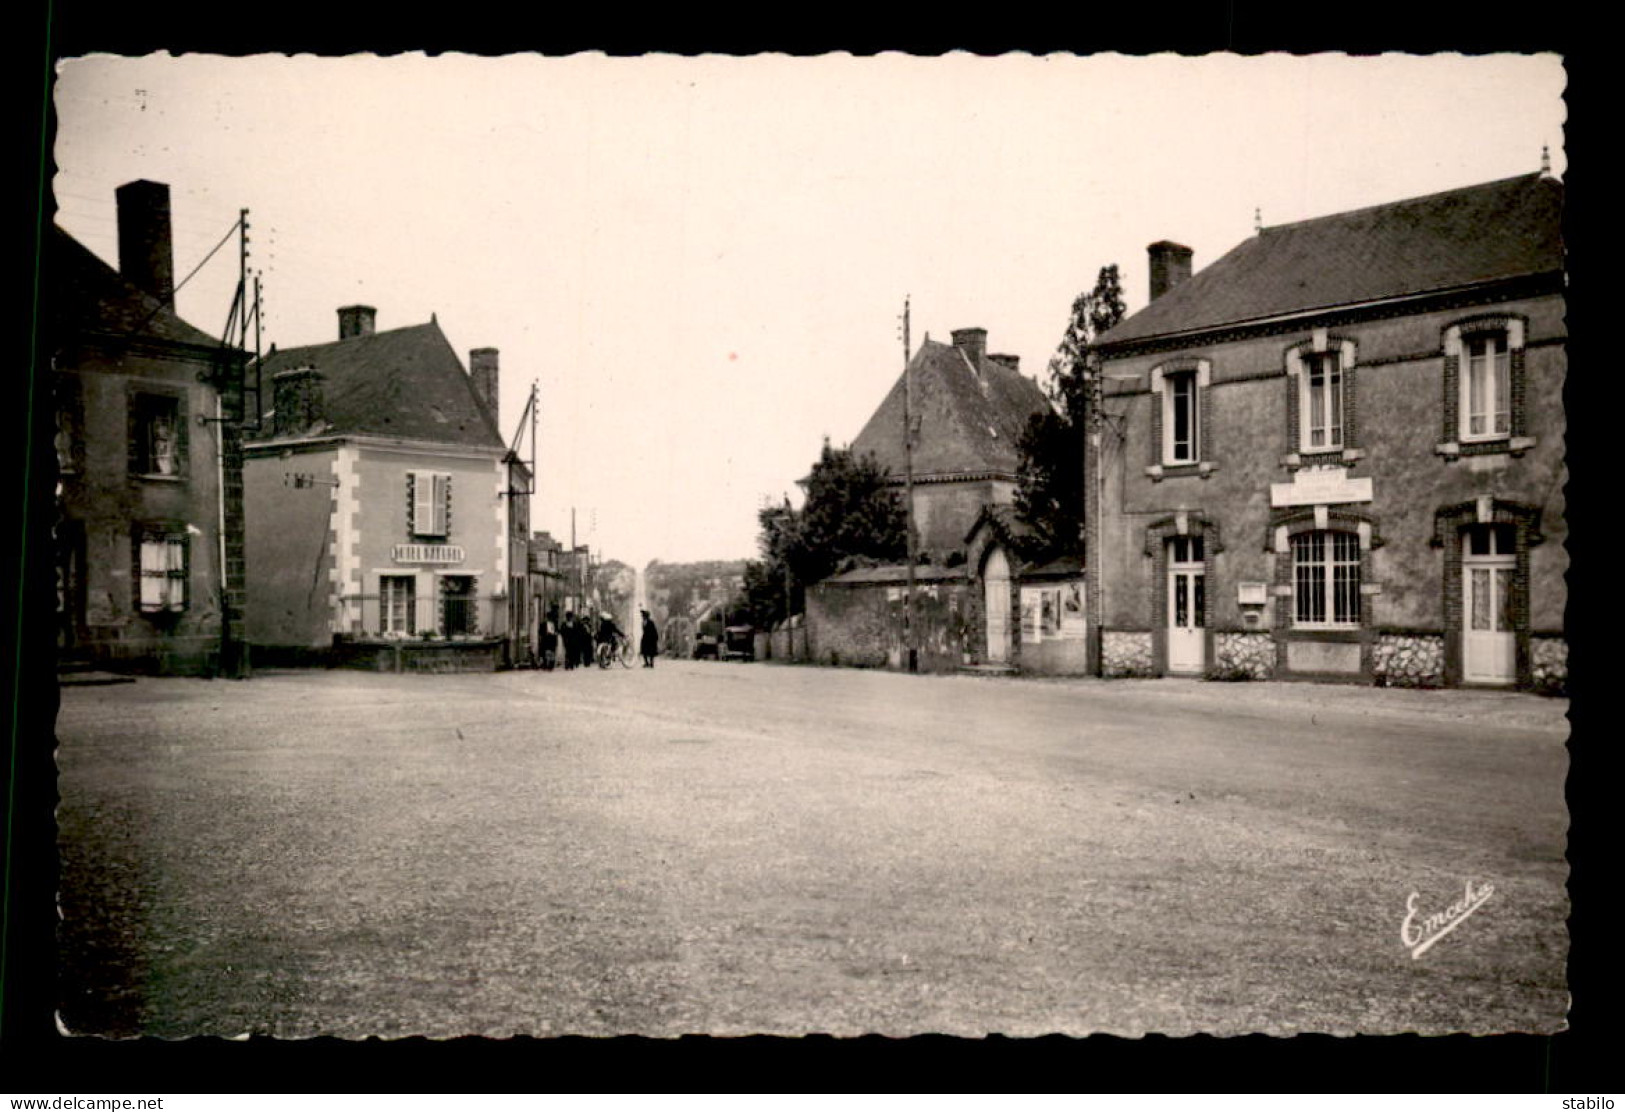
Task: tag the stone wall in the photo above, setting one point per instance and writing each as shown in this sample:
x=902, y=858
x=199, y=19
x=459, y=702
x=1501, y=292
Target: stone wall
x=1126, y=653
x=1408, y=660
x=1549, y=665
x=1242, y=656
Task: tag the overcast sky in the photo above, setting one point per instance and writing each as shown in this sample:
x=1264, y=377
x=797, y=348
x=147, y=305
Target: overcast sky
x=702, y=261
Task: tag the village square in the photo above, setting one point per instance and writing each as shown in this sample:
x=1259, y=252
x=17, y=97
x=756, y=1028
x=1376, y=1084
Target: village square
x=1204, y=671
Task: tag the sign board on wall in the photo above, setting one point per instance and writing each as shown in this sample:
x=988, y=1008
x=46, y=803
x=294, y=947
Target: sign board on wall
x=1252, y=594
x=1320, y=486
x=1052, y=613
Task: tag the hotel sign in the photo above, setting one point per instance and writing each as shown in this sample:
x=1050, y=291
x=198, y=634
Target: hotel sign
x=428, y=554
x=1327, y=486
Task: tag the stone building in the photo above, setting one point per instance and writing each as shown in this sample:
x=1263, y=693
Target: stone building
x=969, y=409
x=380, y=500
x=1338, y=451
x=149, y=527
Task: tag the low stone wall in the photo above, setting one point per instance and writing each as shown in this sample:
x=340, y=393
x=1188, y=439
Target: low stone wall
x=1549, y=665
x=419, y=656
x=1126, y=653
x=1408, y=660
x=1242, y=656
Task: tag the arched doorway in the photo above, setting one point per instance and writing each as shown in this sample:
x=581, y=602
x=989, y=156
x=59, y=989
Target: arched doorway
x=996, y=596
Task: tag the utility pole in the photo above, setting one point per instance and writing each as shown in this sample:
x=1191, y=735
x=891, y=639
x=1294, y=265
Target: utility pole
x=908, y=497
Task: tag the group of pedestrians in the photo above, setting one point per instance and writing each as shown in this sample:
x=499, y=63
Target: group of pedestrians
x=573, y=641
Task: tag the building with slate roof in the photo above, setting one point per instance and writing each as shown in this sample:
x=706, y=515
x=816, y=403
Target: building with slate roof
x=969, y=410
x=1337, y=452
x=149, y=541
x=383, y=504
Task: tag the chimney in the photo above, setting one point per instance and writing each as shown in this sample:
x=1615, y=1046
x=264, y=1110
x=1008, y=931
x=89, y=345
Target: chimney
x=357, y=320
x=146, y=252
x=482, y=368
x=298, y=400
x=973, y=342
x=1170, y=265
x=1011, y=363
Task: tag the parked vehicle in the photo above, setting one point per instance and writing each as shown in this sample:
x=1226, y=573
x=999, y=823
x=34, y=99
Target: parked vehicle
x=739, y=643
x=708, y=641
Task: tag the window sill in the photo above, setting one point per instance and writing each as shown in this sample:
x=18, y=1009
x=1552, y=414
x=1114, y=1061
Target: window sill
x=1501, y=445
x=1336, y=633
x=1161, y=471
x=157, y=478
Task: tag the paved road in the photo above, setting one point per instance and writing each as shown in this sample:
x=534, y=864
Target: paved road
x=731, y=848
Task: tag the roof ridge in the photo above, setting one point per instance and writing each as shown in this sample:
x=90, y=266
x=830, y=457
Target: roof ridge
x=1418, y=199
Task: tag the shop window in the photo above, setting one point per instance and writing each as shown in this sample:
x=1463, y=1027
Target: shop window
x=1325, y=579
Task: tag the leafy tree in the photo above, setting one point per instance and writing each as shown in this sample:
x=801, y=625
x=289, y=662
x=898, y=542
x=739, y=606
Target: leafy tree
x=852, y=515
x=1050, y=484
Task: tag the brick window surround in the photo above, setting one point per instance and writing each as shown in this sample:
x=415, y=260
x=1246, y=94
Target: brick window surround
x=1288, y=523
x=1161, y=465
x=1448, y=524
x=1297, y=359
x=1189, y=523
x=1453, y=442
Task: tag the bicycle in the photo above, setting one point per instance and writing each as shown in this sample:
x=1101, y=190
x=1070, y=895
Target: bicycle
x=608, y=652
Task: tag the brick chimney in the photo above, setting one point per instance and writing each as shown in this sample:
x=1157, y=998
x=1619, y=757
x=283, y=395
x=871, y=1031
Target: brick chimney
x=357, y=320
x=973, y=342
x=482, y=368
x=1170, y=265
x=298, y=400
x=1011, y=363
x=146, y=252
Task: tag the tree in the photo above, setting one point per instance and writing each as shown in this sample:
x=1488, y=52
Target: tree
x=851, y=515
x=1050, y=485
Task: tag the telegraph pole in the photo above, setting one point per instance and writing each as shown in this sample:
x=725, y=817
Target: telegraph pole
x=908, y=497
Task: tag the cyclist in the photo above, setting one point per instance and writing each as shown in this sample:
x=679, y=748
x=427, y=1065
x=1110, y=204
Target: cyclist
x=608, y=634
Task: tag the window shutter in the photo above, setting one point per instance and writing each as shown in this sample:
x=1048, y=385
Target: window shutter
x=443, y=503
x=423, y=504
x=182, y=437
x=136, y=440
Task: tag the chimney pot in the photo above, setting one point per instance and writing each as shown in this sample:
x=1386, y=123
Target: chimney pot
x=482, y=369
x=146, y=251
x=973, y=342
x=1170, y=265
x=357, y=320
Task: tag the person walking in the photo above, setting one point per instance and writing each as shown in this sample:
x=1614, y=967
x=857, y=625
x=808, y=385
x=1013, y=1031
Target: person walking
x=572, y=642
x=649, y=644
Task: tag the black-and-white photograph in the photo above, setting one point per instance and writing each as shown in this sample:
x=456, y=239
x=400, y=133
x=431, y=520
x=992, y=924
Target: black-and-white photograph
x=662, y=545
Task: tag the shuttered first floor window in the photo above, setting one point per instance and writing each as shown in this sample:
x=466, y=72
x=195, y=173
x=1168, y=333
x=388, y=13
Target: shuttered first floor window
x=161, y=570
x=1326, y=579
x=428, y=503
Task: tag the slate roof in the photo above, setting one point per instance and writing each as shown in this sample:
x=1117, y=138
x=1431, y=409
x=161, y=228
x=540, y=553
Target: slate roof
x=1462, y=237
x=86, y=295
x=404, y=383
x=968, y=423
x=894, y=573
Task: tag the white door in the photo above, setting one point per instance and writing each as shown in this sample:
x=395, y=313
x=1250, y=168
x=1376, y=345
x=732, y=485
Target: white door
x=1489, y=640
x=1187, y=595
x=996, y=588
